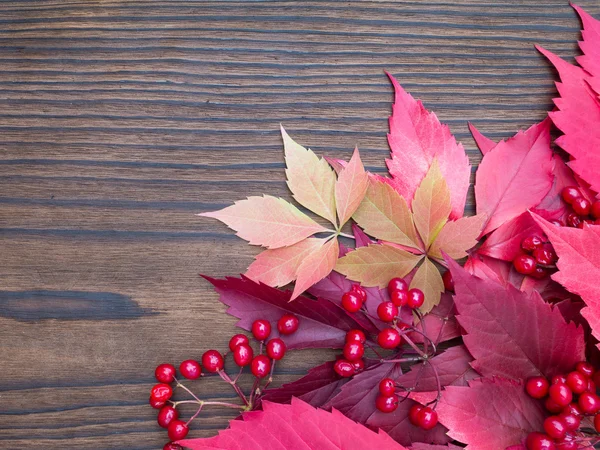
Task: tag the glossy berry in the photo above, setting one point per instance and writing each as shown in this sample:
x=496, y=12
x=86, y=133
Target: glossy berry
x=276, y=349
x=387, y=387
x=524, y=264
x=416, y=298
x=537, y=387
x=242, y=355
x=427, y=418
x=156, y=404
x=595, y=209
x=582, y=206
x=399, y=298
x=560, y=394
x=166, y=415
x=237, y=340
x=571, y=421
x=172, y=446
x=343, y=368
x=539, y=273
x=190, y=369
x=353, y=351
x=597, y=423
x=573, y=220
x=397, y=284
x=545, y=255
x=539, y=441
x=261, y=329
x=165, y=373
x=577, y=382
x=589, y=403
x=260, y=366
x=359, y=365
x=552, y=406
x=288, y=324
x=554, y=426
x=573, y=409
x=570, y=193
x=389, y=338
x=359, y=290
x=448, y=281
x=356, y=336
x=387, y=311
x=212, y=361
x=559, y=379
x=591, y=387
x=585, y=368
x=161, y=392
x=567, y=444
x=413, y=414
x=386, y=403
x=530, y=243
x=351, y=302
x=177, y=430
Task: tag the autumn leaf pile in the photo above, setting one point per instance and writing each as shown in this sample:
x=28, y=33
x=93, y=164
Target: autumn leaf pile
x=499, y=326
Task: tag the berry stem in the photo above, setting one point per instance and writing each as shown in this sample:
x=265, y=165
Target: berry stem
x=402, y=360
x=237, y=377
x=195, y=415
x=270, y=379
x=422, y=323
x=187, y=390
x=374, y=350
x=438, y=383
x=411, y=343
x=233, y=384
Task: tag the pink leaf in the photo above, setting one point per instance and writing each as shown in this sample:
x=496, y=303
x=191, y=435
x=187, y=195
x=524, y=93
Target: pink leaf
x=590, y=45
x=350, y=188
x=316, y=266
x=416, y=137
x=512, y=333
x=360, y=238
x=485, y=144
x=440, y=323
x=505, y=242
x=523, y=181
x=490, y=414
x=552, y=206
x=422, y=446
x=295, y=426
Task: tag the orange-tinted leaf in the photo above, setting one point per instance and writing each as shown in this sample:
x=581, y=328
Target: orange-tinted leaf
x=278, y=267
x=316, y=266
x=431, y=205
x=350, y=188
x=310, y=178
x=457, y=237
x=384, y=214
x=428, y=279
x=268, y=221
x=376, y=264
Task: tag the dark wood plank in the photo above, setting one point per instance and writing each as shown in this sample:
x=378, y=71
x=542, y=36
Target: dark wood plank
x=121, y=120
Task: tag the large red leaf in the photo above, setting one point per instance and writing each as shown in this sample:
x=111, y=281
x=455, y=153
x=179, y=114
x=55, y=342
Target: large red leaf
x=523, y=181
x=416, y=137
x=505, y=242
x=590, y=45
x=490, y=414
x=511, y=333
x=297, y=426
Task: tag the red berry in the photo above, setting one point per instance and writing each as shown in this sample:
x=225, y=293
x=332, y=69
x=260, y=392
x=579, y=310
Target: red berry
x=351, y=302
x=190, y=369
x=595, y=210
x=386, y=403
x=165, y=373
x=559, y=379
x=261, y=329
x=561, y=394
x=212, y=361
x=524, y=264
x=448, y=281
x=413, y=414
x=276, y=349
x=573, y=220
x=552, y=406
x=161, y=392
x=554, y=427
x=156, y=404
x=582, y=206
x=589, y=403
x=399, y=298
x=353, y=351
x=387, y=311
x=360, y=291
x=358, y=365
x=545, y=255
x=539, y=441
x=237, y=340
x=570, y=193
x=427, y=418
x=567, y=444
x=261, y=366
x=389, y=338
x=530, y=243
x=537, y=387
x=596, y=377
x=577, y=382
x=177, y=430
x=571, y=421
x=242, y=355
x=387, y=387
x=597, y=422
x=539, y=273
x=573, y=409
x=591, y=387
x=397, y=284
x=416, y=298
x=166, y=415
x=356, y=336
x=288, y=324
x=343, y=368
x=585, y=368
x=172, y=446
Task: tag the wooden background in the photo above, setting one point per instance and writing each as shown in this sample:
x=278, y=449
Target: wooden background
x=121, y=120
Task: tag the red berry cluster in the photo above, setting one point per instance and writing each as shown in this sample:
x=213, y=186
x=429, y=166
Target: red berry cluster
x=569, y=398
x=583, y=209
x=354, y=349
x=213, y=361
x=538, y=257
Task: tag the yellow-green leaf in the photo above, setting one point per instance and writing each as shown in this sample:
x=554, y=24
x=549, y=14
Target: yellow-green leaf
x=310, y=178
x=457, y=237
x=350, y=188
x=428, y=279
x=316, y=266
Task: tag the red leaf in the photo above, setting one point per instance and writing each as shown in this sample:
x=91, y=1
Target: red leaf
x=440, y=323
x=590, y=45
x=422, y=446
x=416, y=137
x=490, y=414
x=360, y=237
x=525, y=178
x=296, y=426
x=485, y=144
x=552, y=207
x=511, y=333
x=505, y=242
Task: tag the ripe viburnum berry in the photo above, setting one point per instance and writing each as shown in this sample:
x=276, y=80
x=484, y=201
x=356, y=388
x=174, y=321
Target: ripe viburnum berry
x=212, y=361
x=559, y=379
x=190, y=369
x=524, y=264
x=397, y=284
x=537, y=387
x=242, y=355
x=353, y=351
x=359, y=290
x=260, y=366
x=539, y=441
x=571, y=421
x=427, y=418
x=413, y=414
x=237, y=340
x=597, y=422
x=416, y=298
x=387, y=387
x=570, y=193
x=177, y=430
x=166, y=415
x=545, y=255
x=552, y=406
x=582, y=206
x=288, y=324
x=555, y=427
x=585, y=368
x=261, y=329
x=343, y=368
x=356, y=336
x=387, y=403
x=165, y=373
x=359, y=365
x=156, y=404
x=561, y=394
x=172, y=446
x=387, y=311
x=531, y=242
x=448, y=281
x=595, y=209
x=589, y=403
x=276, y=349
x=573, y=220
x=399, y=298
x=577, y=382
x=351, y=302
x=161, y=392
x=389, y=338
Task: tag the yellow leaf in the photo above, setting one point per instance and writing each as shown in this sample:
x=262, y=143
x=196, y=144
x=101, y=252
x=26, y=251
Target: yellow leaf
x=431, y=205
x=350, y=188
x=316, y=266
x=376, y=264
x=457, y=237
x=384, y=214
x=428, y=279
x=310, y=179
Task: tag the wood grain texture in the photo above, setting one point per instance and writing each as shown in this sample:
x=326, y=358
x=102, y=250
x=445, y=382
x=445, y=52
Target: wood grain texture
x=119, y=120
